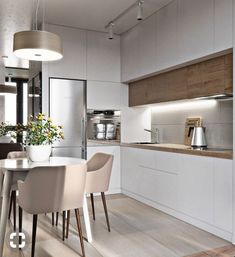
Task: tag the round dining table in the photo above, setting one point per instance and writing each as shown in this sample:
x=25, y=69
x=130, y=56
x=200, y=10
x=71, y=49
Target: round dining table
x=17, y=169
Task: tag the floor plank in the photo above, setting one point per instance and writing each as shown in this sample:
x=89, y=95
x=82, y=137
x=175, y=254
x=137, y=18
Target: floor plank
x=136, y=230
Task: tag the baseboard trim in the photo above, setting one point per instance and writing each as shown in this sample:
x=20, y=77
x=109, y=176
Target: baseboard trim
x=181, y=216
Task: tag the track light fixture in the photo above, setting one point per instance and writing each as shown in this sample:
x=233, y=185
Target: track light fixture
x=140, y=10
x=111, y=25
x=139, y=4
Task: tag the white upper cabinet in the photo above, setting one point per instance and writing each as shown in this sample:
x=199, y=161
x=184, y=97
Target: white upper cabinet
x=195, y=29
x=129, y=54
x=147, y=54
x=166, y=41
x=223, y=17
x=138, y=50
x=103, y=95
x=73, y=63
x=103, y=57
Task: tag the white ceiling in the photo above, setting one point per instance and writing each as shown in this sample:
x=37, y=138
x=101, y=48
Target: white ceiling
x=86, y=14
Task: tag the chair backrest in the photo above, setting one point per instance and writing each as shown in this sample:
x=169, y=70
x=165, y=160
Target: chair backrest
x=99, y=169
x=53, y=189
x=5, y=148
x=16, y=155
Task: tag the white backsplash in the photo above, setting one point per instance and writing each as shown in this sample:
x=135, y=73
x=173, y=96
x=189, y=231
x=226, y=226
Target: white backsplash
x=217, y=118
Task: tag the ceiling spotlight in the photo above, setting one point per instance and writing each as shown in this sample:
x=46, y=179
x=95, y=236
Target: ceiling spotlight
x=111, y=25
x=140, y=10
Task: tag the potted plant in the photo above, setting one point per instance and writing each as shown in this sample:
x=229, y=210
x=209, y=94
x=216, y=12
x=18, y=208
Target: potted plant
x=5, y=133
x=40, y=134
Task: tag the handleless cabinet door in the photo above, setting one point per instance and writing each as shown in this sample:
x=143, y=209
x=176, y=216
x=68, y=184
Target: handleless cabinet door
x=73, y=63
x=103, y=57
x=129, y=54
x=223, y=192
x=223, y=25
x=196, y=187
x=147, y=54
x=166, y=36
x=195, y=29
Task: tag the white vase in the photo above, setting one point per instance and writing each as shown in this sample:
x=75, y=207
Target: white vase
x=38, y=153
x=5, y=139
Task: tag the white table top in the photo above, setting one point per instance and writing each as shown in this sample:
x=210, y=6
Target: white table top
x=25, y=164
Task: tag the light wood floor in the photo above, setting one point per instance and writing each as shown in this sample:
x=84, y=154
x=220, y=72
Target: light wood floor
x=137, y=230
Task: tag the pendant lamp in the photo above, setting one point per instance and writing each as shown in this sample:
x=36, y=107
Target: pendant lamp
x=37, y=45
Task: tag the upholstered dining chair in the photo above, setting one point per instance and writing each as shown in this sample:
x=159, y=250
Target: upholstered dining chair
x=52, y=189
x=14, y=155
x=99, y=169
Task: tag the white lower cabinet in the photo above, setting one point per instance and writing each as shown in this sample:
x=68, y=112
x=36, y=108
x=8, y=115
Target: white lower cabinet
x=196, y=189
x=223, y=194
x=115, y=183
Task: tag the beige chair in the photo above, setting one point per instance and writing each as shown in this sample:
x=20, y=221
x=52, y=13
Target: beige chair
x=52, y=189
x=14, y=155
x=99, y=169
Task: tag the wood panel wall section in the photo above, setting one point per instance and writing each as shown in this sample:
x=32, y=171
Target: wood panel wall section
x=207, y=78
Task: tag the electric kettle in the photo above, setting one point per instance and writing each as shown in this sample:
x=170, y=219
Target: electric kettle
x=199, y=137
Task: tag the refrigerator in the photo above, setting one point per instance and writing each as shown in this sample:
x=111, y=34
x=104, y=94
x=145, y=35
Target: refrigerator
x=67, y=107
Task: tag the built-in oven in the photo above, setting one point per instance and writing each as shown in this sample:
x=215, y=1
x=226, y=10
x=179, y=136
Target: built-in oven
x=103, y=124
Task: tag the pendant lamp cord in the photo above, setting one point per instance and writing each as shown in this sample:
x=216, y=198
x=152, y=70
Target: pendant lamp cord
x=36, y=15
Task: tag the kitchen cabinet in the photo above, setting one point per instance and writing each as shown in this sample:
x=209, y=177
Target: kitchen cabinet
x=103, y=95
x=223, y=17
x=147, y=54
x=103, y=57
x=210, y=77
x=195, y=29
x=139, y=50
x=130, y=170
x=223, y=198
x=207, y=78
x=196, y=189
x=73, y=63
x=166, y=36
x=130, y=54
x=184, y=31
x=115, y=180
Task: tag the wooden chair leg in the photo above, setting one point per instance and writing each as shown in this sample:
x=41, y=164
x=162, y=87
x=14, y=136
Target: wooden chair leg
x=57, y=218
x=52, y=219
x=63, y=226
x=105, y=210
x=79, y=225
x=10, y=207
x=35, y=219
x=14, y=209
x=20, y=223
x=67, y=227
x=93, y=206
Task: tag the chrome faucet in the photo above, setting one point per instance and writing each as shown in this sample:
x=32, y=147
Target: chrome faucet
x=156, y=135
